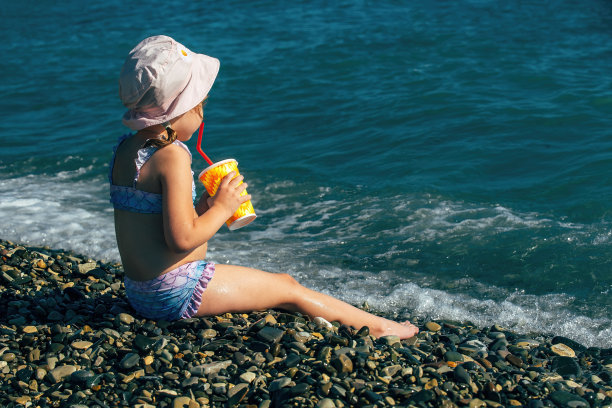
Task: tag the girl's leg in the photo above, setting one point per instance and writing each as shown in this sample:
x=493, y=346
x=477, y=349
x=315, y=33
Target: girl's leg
x=241, y=289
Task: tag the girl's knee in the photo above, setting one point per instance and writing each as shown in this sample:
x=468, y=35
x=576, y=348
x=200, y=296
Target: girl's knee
x=288, y=279
x=292, y=291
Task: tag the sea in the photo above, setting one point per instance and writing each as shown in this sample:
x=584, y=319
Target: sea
x=439, y=159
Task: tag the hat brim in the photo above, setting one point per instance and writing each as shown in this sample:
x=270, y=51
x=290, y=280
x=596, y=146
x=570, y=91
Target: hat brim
x=204, y=71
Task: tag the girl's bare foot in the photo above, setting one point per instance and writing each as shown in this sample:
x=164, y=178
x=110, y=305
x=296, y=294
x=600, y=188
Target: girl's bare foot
x=403, y=330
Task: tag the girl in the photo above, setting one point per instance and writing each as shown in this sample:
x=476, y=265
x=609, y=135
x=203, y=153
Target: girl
x=162, y=237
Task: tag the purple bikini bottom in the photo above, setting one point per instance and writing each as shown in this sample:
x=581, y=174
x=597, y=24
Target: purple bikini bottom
x=172, y=296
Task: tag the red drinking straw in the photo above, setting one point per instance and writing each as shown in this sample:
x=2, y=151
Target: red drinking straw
x=199, y=145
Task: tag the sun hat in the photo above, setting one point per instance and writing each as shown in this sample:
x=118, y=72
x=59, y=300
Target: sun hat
x=162, y=79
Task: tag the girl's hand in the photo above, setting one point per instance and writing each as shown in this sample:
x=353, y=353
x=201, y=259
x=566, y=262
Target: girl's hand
x=228, y=194
x=204, y=203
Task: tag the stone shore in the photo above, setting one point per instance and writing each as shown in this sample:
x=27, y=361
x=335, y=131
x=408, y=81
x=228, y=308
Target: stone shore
x=68, y=338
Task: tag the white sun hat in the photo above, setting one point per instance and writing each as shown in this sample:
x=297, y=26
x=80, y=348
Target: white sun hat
x=162, y=79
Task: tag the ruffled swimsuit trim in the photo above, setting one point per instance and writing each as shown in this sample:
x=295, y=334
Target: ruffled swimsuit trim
x=172, y=296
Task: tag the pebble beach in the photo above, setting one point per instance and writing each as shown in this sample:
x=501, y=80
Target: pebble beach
x=69, y=338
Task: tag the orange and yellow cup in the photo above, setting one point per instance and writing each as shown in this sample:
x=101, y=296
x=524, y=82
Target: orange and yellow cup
x=211, y=178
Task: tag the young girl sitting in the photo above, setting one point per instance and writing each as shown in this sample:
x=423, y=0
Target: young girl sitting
x=162, y=237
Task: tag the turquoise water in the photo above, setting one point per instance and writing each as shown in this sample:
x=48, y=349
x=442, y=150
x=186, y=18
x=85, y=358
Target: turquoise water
x=449, y=159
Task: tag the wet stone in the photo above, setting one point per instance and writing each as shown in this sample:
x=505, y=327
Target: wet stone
x=279, y=383
x=389, y=340
x=259, y=346
x=81, y=345
x=423, y=396
x=25, y=374
x=59, y=373
x=461, y=375
x=299, y=389
x=568, y=400
x=453, y=356
x=210, y=368
x=338, y=391
x=561, y=349
x=292, y=360
x=270, y=334
x=130, y=360
x=514, y=360
x=237, y=393
x=499, y=344
x=126, y=318
x=337, y=340
x=322, y=323
x=343, y=364
x=391, y=371
x=372, y=396
x=143, y=343
x=433, y=326
x=248, y=377
x=568, y=342
x=181, y=402
x=81, y=376
x=326, y=403
x=477, y=403
x=566, y=366
x=363, y=332
x=473, y=348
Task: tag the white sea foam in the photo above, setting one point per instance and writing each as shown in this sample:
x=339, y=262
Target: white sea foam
x=55, y=211
x=521, y=313
x=63, y=212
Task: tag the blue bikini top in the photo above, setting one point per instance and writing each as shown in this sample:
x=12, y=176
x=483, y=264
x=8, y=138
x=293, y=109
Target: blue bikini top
x=130, y=198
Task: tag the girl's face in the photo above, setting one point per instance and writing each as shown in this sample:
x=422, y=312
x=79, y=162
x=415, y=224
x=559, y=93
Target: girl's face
x=189, y=122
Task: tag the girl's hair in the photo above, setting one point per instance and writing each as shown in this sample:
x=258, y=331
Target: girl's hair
x=159, y=143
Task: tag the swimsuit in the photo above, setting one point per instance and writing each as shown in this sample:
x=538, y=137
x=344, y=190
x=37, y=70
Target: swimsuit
x=130, y=198
x=172, y=296
x=176, y=294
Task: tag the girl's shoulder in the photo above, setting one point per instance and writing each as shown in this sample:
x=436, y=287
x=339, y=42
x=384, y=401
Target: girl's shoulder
x=174, y=151
x=171, y=160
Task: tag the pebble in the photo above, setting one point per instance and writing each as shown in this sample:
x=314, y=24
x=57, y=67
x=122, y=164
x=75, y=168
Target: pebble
x=248, y=377
x=126, y=318
x=81, y=345
x=453, y=356
x=321, y=322
x=270, y=334
x=279, y=383
x=568, y=399
x=433, y=326
x=129, y=361
x=566, y=366
x=561, y=349
x=390, y=340
x=236, y=394
x=59, y=373
x=326, y=403
x=182, y=402
x=75, y=341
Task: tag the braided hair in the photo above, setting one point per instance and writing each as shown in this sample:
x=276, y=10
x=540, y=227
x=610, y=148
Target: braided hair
x=159, y=143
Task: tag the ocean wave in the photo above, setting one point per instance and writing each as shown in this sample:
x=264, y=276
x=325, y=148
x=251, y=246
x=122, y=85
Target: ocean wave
x=527, y=314
x=345, y=242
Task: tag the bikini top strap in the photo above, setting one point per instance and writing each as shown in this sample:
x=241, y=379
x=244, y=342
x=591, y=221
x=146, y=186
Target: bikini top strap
x=145, y=153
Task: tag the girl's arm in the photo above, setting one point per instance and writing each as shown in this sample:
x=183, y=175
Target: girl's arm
x=184, y=229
